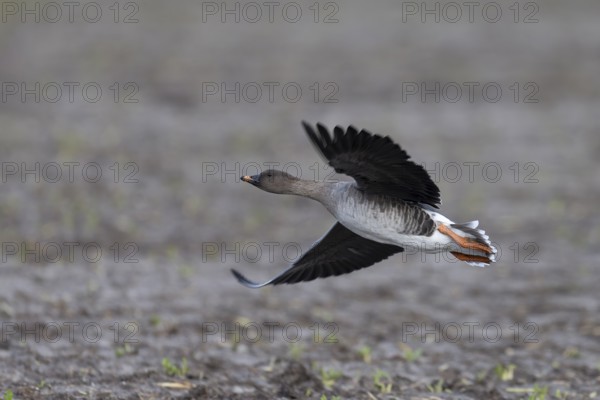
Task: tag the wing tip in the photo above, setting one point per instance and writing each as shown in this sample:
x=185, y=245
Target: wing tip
x=318, y=125
x=306, y=125
x=245, y=281
x=310, y=131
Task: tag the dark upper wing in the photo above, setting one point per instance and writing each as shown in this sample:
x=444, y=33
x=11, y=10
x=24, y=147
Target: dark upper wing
x=377, y=164
x=339, y=252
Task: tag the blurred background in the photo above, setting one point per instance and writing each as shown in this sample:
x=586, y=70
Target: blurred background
x=125, y=127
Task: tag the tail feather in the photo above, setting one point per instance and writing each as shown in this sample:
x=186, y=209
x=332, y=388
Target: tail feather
x=471, y=224
x=469, y=229
x=473, y=260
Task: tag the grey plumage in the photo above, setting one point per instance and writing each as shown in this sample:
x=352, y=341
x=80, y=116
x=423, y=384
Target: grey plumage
x=384, y=211
x=391, y=205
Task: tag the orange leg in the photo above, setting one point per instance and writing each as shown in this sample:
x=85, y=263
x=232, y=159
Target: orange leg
x=473, y=258
x=464, y=242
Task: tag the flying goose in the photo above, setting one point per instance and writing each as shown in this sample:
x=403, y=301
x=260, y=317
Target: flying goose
x=391, y=206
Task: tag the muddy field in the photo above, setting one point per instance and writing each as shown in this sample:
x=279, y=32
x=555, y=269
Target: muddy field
x=122, y=211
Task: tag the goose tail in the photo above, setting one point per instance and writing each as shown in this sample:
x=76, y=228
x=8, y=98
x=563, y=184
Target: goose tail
x=482, y=253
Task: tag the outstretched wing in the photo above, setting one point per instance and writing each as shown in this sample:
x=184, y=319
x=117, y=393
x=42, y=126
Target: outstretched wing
x=340, y=251
x=377, y=164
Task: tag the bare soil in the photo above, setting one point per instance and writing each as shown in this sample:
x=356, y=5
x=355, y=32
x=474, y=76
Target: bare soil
x=157, y=315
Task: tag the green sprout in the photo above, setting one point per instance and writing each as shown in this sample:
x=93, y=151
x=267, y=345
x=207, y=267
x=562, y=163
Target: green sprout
x=296, y=350
x=539, y=393
x=365, y=353
x=173, y=370
x=382, y=381
x=329, y=376
x=505, y=373
x=411, y=355
x=124, y=350
x=437, y=387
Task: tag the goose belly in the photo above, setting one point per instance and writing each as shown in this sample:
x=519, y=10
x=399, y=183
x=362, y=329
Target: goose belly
x=398, y=224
